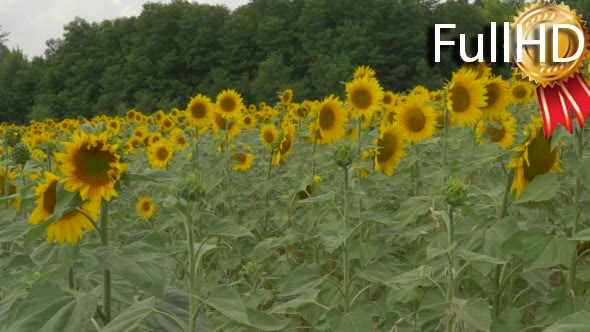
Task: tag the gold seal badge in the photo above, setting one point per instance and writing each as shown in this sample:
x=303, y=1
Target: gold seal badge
x=548, y=73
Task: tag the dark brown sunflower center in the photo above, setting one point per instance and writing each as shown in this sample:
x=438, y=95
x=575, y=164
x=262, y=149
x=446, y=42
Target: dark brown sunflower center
x=198, y=111
x=361, y=99
x=285, y=145
x=387, y=99
x=146, y=206
x=240, y=157
x=460, y=99
x=541, y=157
x=228, y=105
x=162, y=153
x=287, y=97
x=50, y=197
x=326, y=118
x=388, y=145
x=93, y=165
x=302, y=112
x=269, y=137
x=496, y=134
x=247, y=120
x=180, y=140
x=519, y=92
x=415, y=120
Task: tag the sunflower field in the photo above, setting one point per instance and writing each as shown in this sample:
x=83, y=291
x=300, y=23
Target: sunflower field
x=442, y=210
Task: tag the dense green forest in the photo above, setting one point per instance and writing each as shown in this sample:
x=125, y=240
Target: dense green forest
x=168, y=53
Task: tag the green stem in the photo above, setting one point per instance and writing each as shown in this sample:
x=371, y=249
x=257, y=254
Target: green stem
x=227, y=164
x=577, y=193
x=106, y=273
x=498, y=268
x=346, y=288
x=446, y=136
x=192, y=278
x=450, y=276
x=266, y=198
x=315, y=139
x=417, y=171
x=363, y=227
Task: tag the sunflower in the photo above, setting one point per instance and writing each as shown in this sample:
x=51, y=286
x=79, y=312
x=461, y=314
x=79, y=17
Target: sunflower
x=465, y=97
x=482, y=69
x=199, y=110
x=178, y=139
x=233, y=126
x=364, y=96
x=390, y=148
x=141, y=132
x=91, y=166
x=286, y=144
x=244, y=161
x=332, y=119
x=145, y=207
x=521, y=92
x=166, y=124
x=416, y=120
x=498, y=94
x=500, y=128
x=131, y=115
x=388, y=99
x=249, y=121
x=287, y=96
x=15, y=202
x=70, y=226
x=269, y=134
x=364, y=71
x=159, y=154
x=229, y=103
x=390, y=116
x=419, y=90
x=536, y=158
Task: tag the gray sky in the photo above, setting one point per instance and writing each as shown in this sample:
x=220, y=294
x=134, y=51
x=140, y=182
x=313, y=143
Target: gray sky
x=32, y=22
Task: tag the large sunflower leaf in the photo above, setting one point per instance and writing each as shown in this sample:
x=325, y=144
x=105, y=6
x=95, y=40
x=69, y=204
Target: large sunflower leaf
x=130, y=318
x=227, y=227
x=577, y=322
x=542, y=188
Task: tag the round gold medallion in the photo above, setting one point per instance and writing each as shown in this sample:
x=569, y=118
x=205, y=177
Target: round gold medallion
x=548, y=72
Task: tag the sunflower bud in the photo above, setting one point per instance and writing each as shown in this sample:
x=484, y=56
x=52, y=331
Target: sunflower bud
x=12, y=137
x=21, y=154
x=344, y=155
x=191, y=188
x=455, y=192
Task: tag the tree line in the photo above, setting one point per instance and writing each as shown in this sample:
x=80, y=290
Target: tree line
x=171, y=52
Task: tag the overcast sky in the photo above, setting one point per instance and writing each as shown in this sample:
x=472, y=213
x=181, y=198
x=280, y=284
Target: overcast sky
x=32, y=22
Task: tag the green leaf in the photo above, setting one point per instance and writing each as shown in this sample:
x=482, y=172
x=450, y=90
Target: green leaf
x=327, y=197
x=483, y=155
x=304, y=278
x=13, y=231
x=147, y=275
x=46, y=308
x=416, y=277
x=228, y=302
x=130, y=318
x=542, y=188
x=349, y=322
x=226, y=227
x=473, y=257
x=153, y=175
x=264, y=322
x=538, y=249
x=475, y=312
x=581, y=236
x=577, y=322
x=305, y=298
x=410, y=210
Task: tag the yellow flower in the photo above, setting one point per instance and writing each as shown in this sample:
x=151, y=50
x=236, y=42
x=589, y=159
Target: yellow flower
x=145, y=207
x=229, y=104
x=364, y=96
x=244, y=161
x=536, y=158
x=419, y=90
x=287, y=96
x=286, y=144
x=269, y=134
x=233, y=125
x=498, y=94
x=388, y=99
x=249, y=121
x=465, y=97
x=178, y=139
x=500, y=128
x=166, y=124
x=390, y=148
x=199, y=110
x=91, y=166
x=416, y=120
x=332, y=119
x=364, y=71
x=15, y=202
x=159, y=154
x=481, y=69
x=71, y=225
x=521, y=92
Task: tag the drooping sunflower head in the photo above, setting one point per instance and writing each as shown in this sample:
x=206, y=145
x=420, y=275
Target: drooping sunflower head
x=159, y=154
x=500, y=128
x=390, y=148
x=287, y=96
x=466, y=95
x=199, y=110
x=364, y=71
x=332, y=119
x=243, y=161
x=364, y=96
x=536, y=158
x=286, y=144
x=145, y=207
x=91, y=166
x=498, y=96
x=229, y=104
x=416, y=120
x=12, y=189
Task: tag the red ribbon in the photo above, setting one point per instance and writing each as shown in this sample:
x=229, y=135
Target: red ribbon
x=557, y=101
